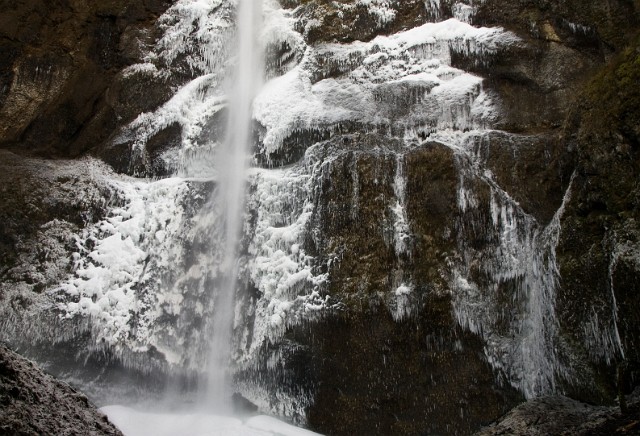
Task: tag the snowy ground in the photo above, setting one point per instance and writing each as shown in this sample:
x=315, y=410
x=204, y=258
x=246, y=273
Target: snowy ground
x=136, y=423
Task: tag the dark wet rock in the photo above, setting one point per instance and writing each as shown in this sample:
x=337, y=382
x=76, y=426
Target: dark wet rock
x=418, y=376
x=537, y=75
x=563, y=45
x=534, y=169
x=599, y=245
x=128, y=157
x=583, y=24
x=34, y=403
x=137, y=92
x=563, y=416
x=59, y=61
x=242, y=406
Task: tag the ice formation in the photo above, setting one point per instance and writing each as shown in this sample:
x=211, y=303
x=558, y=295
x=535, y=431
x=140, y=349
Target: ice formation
x=375, y=73
x=524, y=259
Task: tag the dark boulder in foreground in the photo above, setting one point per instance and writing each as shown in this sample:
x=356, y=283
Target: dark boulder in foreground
x=560, y=415
x=34, y=403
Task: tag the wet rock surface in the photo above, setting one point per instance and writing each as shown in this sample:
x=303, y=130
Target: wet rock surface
x=598, y=250
x=34, y=403
x=59, y=60
x=439, y=384
x=563, y=416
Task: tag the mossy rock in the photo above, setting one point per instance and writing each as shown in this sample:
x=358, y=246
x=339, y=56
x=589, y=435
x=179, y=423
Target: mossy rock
x=600, y=225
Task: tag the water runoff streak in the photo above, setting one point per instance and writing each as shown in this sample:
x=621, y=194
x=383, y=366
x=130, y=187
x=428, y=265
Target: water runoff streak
x=232, y=162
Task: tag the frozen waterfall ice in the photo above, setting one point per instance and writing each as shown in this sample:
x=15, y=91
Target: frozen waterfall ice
x=232, y=170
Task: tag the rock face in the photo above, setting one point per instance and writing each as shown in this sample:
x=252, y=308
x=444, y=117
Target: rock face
x=34, y=403
x=442, y=218
x=600, y=244
x=58, y=60
x=564, y=416
x=44, y=204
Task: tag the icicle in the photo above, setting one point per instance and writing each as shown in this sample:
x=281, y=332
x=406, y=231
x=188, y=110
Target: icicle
x=525, y=257
x=401, y=231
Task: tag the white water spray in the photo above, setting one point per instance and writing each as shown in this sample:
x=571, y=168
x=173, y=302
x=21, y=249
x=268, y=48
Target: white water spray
x=232, y=169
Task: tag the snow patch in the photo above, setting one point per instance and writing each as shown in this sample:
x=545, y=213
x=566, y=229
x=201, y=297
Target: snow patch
x=110, y=264
x=132, y=422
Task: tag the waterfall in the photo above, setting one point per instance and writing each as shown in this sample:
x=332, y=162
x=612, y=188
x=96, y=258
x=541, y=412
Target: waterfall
x=158, y=275
x=232, y=172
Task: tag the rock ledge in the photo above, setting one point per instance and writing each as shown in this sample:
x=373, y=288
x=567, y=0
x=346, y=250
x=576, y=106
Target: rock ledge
x=34, y=403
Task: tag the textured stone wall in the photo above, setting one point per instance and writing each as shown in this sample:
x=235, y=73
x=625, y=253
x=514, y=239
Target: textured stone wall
x=59, y=94
x=34, y=403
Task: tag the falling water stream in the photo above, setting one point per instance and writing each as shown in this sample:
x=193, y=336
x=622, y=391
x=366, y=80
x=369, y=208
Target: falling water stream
x=232, y=168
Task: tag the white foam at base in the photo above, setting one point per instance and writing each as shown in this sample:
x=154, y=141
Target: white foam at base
x=132, y=422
